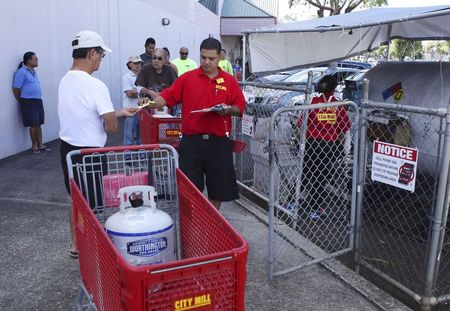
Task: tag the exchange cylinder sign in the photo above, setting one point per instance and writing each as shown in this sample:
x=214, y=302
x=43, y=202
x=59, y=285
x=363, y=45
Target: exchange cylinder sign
x=394, y=165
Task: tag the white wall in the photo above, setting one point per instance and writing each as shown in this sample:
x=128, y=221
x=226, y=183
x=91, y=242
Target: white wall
x=47, y=28
x=232, y=45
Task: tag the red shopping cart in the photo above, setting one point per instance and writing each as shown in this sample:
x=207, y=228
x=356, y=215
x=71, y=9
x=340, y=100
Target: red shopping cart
x=210, y=273
x=159, y=130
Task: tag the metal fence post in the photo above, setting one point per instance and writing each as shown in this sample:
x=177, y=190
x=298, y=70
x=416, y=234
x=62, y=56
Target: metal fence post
x=438, y=224
x=362, y=164
x=272, y=202
x=302, y=142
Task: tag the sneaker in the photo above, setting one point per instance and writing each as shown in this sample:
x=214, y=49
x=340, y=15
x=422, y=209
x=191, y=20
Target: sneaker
x=292, y=207
x=317, y=214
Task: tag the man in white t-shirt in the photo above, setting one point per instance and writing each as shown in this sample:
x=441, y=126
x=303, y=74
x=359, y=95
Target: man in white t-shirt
x=131, y=132
x=85, y=110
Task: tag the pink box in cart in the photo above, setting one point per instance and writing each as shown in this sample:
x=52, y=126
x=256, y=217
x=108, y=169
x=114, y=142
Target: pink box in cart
x=113, y=182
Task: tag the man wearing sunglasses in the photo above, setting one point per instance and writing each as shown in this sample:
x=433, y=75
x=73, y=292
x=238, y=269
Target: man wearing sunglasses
x=184, y=63
x=205, y=148
x=85, y=110
x=155, y=76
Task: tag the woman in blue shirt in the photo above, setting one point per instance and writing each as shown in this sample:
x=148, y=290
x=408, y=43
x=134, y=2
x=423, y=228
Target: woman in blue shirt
x=27, y=90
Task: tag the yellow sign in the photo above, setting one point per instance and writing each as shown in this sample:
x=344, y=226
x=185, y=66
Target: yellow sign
x=329, y=115
x=221, y=87
x=195, y=302
x=398, y=96
x=220, y=80
x=172, y=132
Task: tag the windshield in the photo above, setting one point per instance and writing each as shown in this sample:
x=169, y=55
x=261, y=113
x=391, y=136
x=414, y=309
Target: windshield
x=357, y=76
x=302, y=76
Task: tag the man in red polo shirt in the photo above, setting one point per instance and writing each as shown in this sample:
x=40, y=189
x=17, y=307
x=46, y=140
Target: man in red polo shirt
x=205, y=149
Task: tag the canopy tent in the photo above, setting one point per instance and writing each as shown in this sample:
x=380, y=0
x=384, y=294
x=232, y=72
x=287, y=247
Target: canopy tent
x=338, y=37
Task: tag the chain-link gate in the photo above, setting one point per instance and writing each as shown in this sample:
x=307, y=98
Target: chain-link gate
x=311, y=211
x=402, y=229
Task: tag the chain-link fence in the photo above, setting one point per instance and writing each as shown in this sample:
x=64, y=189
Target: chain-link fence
x=396, y=237
x=327, y=199
x=253, y=164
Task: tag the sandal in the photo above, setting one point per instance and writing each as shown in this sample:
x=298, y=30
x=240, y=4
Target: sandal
x=35, y=151
x=45, y=148
x=73, y=254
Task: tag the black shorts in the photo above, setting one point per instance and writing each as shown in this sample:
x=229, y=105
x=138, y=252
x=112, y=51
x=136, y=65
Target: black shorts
x=94, y=180
x=32, y=111
x=210, y=158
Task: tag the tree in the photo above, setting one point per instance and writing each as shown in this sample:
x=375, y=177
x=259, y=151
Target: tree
x=402, y=49
x=335, y=7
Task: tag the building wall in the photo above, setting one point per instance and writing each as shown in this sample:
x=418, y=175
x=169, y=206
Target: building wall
x=270, y=6
x=233, y=26
x=233, y=47
x=47, y=28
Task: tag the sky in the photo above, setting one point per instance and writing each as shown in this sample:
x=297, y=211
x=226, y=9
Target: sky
x=300, y=13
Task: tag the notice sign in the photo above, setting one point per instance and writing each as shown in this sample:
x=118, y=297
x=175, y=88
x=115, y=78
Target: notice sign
x=247, y=125
x=394, y=165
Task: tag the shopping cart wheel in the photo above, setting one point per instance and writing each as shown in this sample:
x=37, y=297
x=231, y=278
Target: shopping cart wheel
x=83, y=300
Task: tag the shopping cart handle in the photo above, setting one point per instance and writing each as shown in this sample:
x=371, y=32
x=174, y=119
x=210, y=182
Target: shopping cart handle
x=119, y=149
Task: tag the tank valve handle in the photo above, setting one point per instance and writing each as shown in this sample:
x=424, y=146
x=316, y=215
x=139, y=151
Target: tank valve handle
x=136, y=199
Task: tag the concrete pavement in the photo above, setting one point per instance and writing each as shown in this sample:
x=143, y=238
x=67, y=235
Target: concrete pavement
x=38, y=274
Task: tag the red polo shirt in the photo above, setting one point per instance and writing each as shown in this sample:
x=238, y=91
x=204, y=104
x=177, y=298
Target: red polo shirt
x=326, y=123
x=195, y=90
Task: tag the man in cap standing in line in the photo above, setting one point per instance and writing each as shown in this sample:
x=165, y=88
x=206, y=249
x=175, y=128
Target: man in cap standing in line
x=85, y=110
x=131, y=132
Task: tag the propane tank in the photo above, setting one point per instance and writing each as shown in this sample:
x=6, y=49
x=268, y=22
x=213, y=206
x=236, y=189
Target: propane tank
x=141, y=233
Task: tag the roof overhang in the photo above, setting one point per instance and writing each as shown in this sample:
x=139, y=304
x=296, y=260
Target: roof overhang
x=338, y=37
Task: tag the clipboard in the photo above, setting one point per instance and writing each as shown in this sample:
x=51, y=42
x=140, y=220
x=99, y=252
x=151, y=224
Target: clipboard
x=215, y=108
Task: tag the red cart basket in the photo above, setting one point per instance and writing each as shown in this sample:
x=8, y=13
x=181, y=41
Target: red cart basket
x=211, y=271
x=157, y=130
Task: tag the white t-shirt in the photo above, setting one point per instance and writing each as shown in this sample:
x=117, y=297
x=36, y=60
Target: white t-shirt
x=82, y=100
x=128, y=80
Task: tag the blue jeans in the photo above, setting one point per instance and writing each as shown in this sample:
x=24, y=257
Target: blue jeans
x=131, y=131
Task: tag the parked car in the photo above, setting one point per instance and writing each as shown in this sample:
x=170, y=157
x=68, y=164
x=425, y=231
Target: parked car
x=348, y=64
x=267, y=101
x=276, y=77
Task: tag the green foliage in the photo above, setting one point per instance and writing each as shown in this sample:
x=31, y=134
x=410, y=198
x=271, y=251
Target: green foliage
x=374, y=3
x=336, y=7
x=401, y=49
x=380, y=53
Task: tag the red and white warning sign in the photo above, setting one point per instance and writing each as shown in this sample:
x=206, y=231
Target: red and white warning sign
x=394, y=165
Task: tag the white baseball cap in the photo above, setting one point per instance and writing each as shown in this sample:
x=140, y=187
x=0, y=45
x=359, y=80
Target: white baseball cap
x=89, y=39
x=134, y=59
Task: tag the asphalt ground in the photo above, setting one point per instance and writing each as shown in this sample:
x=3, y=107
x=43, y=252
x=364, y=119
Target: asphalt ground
x=38, y=274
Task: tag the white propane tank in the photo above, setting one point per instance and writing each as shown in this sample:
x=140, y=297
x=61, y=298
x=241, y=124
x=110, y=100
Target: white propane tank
x=143, y=234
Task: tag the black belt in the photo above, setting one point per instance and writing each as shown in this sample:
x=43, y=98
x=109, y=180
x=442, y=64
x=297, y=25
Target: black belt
x=203, y=137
